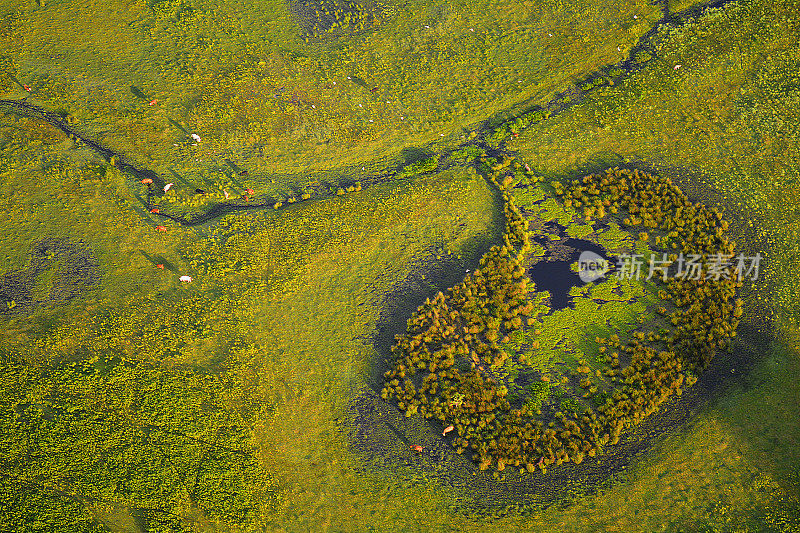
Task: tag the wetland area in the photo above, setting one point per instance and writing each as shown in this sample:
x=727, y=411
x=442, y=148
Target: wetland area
x=319, y=265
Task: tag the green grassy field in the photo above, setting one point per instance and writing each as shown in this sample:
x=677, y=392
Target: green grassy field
x=246, y=399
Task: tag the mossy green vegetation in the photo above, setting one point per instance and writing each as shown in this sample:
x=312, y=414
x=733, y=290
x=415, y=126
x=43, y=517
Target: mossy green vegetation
x=710, y=79
x=246, y=81
x=420, y=167
x=174, y=348
x=271, y=348
x=110, y=431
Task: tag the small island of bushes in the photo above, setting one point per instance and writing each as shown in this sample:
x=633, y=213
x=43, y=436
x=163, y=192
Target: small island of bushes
x=446, y=363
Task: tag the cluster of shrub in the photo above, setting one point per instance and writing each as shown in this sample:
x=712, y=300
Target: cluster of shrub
x=418, y=167
x=468, y=324
x=705, y=312
x=445, y=363
x=515, y=126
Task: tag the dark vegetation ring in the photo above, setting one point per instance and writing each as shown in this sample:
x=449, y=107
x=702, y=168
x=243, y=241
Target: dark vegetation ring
x=444, y=362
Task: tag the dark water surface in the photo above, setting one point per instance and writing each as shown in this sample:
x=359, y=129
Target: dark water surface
x=556, y=277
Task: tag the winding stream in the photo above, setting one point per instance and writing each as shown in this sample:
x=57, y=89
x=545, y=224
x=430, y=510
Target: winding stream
x=370, y=413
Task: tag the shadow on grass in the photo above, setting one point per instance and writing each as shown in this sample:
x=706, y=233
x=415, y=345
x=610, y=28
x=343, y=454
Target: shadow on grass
x=157, y=259
x=380, y=432
x=427, y=277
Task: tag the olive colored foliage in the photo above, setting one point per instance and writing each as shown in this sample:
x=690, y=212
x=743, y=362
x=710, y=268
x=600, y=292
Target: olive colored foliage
x=109, y=430
x=246, y=88
x=256, y=84
x=419, y=167
x=721, y=98
x=27, y=507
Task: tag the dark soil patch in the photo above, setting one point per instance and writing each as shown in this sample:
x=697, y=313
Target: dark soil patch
x=70, y=267
x=319, y=18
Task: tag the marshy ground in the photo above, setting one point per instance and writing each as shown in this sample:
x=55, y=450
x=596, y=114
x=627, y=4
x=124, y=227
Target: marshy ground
x=249, y=398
